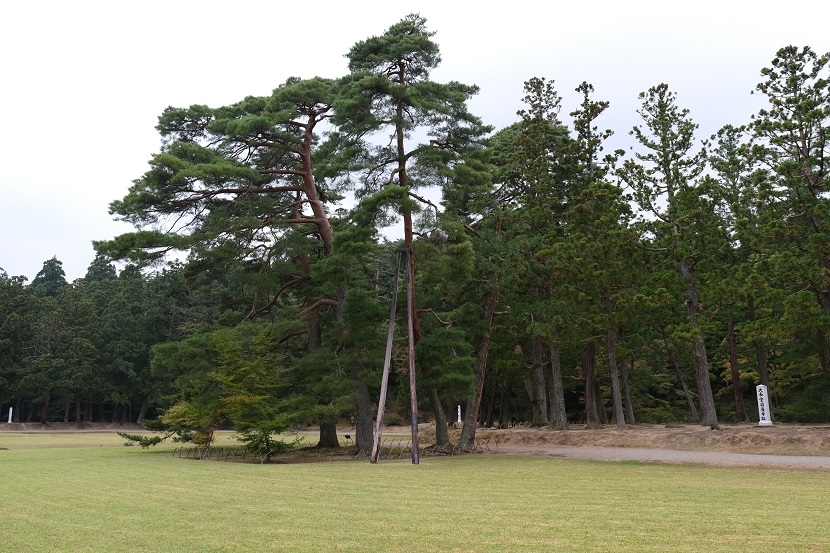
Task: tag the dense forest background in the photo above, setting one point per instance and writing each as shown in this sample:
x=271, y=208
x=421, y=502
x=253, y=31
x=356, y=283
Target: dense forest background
x=552, y=281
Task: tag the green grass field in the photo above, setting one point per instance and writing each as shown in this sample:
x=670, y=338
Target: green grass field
x=84, y=492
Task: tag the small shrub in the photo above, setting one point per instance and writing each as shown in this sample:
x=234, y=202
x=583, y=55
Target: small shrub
x=266, y=443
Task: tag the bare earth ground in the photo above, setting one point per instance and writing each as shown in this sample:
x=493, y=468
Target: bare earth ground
x=779, y=446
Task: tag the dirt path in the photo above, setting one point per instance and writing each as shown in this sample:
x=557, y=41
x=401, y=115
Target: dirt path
x=716, y=458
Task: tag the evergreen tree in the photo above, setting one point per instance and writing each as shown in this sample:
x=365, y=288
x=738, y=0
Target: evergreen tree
x=389, y=92
x=535, y=180
x=791, y=140
x=18, y=308
x=596, y=256
x=50, y=279
x=473, y=219
x=61, y=348
x=663, y=180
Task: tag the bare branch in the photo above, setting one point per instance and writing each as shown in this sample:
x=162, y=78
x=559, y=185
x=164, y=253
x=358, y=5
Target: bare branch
x=472, y=230
x=316, y=305
x=424, y=200
x=292, y=335
x=257, y=311
x=437, y=318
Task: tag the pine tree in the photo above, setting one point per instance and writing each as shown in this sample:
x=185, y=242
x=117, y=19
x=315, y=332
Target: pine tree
x=663, y=180
x=791, y=137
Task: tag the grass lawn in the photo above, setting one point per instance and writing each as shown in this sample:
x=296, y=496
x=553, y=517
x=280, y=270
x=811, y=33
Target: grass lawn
x=84, y=492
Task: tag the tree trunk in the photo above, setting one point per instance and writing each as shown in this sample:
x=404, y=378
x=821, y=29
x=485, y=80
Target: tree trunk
x=314, y=338
x=760, y=349
x=313, y=327
x=17, y=406
x=66, y=411
x=78, y=409
x=363, y=420
x=442, y=435
x=142, y=412
x=823, y=350
x=589, y=370
x=629, y=400
x=413, y=335
x=328, y=428
x=468, y=433
x=413, y=324
x=683, y=383
x=602, y=413
x=536, y=395
x=328, y=433
x=320, y=217
x=534, y=405
x=558, y=417
x=44, y=412
x=616, y=395
x=705, y=397
x=740, y=409
x=539, y=396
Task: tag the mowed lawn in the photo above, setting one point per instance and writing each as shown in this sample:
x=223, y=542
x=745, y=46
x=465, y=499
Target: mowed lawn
x=85, y=492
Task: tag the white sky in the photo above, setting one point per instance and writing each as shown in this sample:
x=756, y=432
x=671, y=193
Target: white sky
x=82, y=83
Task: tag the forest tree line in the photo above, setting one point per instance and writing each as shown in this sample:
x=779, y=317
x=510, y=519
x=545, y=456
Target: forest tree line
x=555, y=281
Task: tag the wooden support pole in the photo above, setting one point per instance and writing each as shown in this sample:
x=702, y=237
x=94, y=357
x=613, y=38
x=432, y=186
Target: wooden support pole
x=387, y=361
x=410, y=314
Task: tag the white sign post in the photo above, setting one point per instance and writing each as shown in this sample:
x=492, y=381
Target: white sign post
x=459, y=413
x=10, y=415
x=763, y=406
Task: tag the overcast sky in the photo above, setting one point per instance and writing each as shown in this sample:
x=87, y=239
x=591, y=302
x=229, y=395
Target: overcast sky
x=82, y=83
